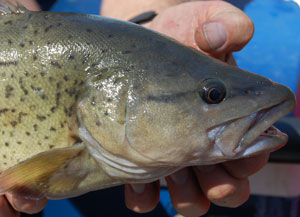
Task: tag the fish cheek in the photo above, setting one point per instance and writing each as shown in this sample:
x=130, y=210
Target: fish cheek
x=165, y=133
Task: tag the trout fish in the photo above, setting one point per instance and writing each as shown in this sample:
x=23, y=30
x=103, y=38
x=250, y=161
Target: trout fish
x=88, y=102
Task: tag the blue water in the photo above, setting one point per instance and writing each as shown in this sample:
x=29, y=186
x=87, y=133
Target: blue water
x=274, y=52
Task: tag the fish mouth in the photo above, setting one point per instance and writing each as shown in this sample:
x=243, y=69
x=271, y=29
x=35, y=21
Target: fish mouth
x=252, y=134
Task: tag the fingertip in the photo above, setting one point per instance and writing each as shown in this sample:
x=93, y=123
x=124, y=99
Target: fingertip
x=142, y=198
x=6, y=210
x=226, y=29
x=186, y=195
x=28, y=206
x=221, y=188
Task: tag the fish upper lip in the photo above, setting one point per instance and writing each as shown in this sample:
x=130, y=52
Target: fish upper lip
x=259, y=125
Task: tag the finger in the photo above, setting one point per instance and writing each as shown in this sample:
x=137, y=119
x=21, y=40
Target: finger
x=142, y=198
x=187, y=197
x=245, y=167
x=224, y=29
x=22, y=204
x=220, y=187
x=6, y=210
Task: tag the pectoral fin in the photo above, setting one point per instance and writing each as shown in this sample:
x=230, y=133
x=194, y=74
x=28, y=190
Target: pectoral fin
x=54, y=172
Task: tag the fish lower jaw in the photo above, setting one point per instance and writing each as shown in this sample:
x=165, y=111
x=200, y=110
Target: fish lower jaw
x=251, y=134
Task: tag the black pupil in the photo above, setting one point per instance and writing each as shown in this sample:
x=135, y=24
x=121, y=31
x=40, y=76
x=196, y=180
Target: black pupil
x=215, y=94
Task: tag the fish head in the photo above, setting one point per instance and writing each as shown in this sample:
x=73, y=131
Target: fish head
x=184, y=109
x=206, y=113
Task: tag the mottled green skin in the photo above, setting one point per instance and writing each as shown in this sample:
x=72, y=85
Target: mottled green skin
x=44, y=60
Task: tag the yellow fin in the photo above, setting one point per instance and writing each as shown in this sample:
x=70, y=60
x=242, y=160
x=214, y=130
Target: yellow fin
x=55, y=172
x=11, y=7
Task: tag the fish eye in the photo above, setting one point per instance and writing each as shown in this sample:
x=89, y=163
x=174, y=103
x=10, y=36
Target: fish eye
x=212, y=91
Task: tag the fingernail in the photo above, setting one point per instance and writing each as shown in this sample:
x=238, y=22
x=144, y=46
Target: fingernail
x=138, y=188
x=207, y=168
x=180, y=177
x=215, y=34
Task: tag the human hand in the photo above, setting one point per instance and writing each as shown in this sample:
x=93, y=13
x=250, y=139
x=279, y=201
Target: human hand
x=216, y=28
x=11, y=206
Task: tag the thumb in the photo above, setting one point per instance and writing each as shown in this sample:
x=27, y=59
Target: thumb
x=225, y=29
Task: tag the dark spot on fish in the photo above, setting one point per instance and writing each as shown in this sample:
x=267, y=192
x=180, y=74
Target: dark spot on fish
x=59, y=24
x=34, y=57
x=3, y=132
x=21, y=114
x=32, y=107
x=2, y=111
x=51, y=79
x=58, y=85
x=25, y=27
x=35, y=127
x=98, y=123
x=12, y=75
x=126, y=52
x=71, y=57
x=35, y=32
x=94, y=65
x=40, y=117
x=89, y=30
x=62, y=125
x=19, y=142
x=36, y=89
x=56, y=64
x=43, y=74
x=22, y=87
x=247, y=91
x=70, y=91
x=44, y=97
x=68, y=111
x=133, y=45
x=53, y=109
x=31, y=42
x=9, y=22
x=93, y=102
x=51, y=146
x=52, y=129
x=110, y=36
x=8, y=91
x=70, y=36
x=46, y=137
x=27, y=133
x=109, y=99
x=13, y=110
x=27, y=74
x=75, y=81
x=13, y=123
x=48, y=28
x=58, y=95
x=4, y=156
x=81, y=83
x=9, y=63
x=22, y=99
x=6, y=144
x=39, y=143
x=34, y=76
x=22, y=45
x=66, y=78
x=106, y=113
x=9, y=42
